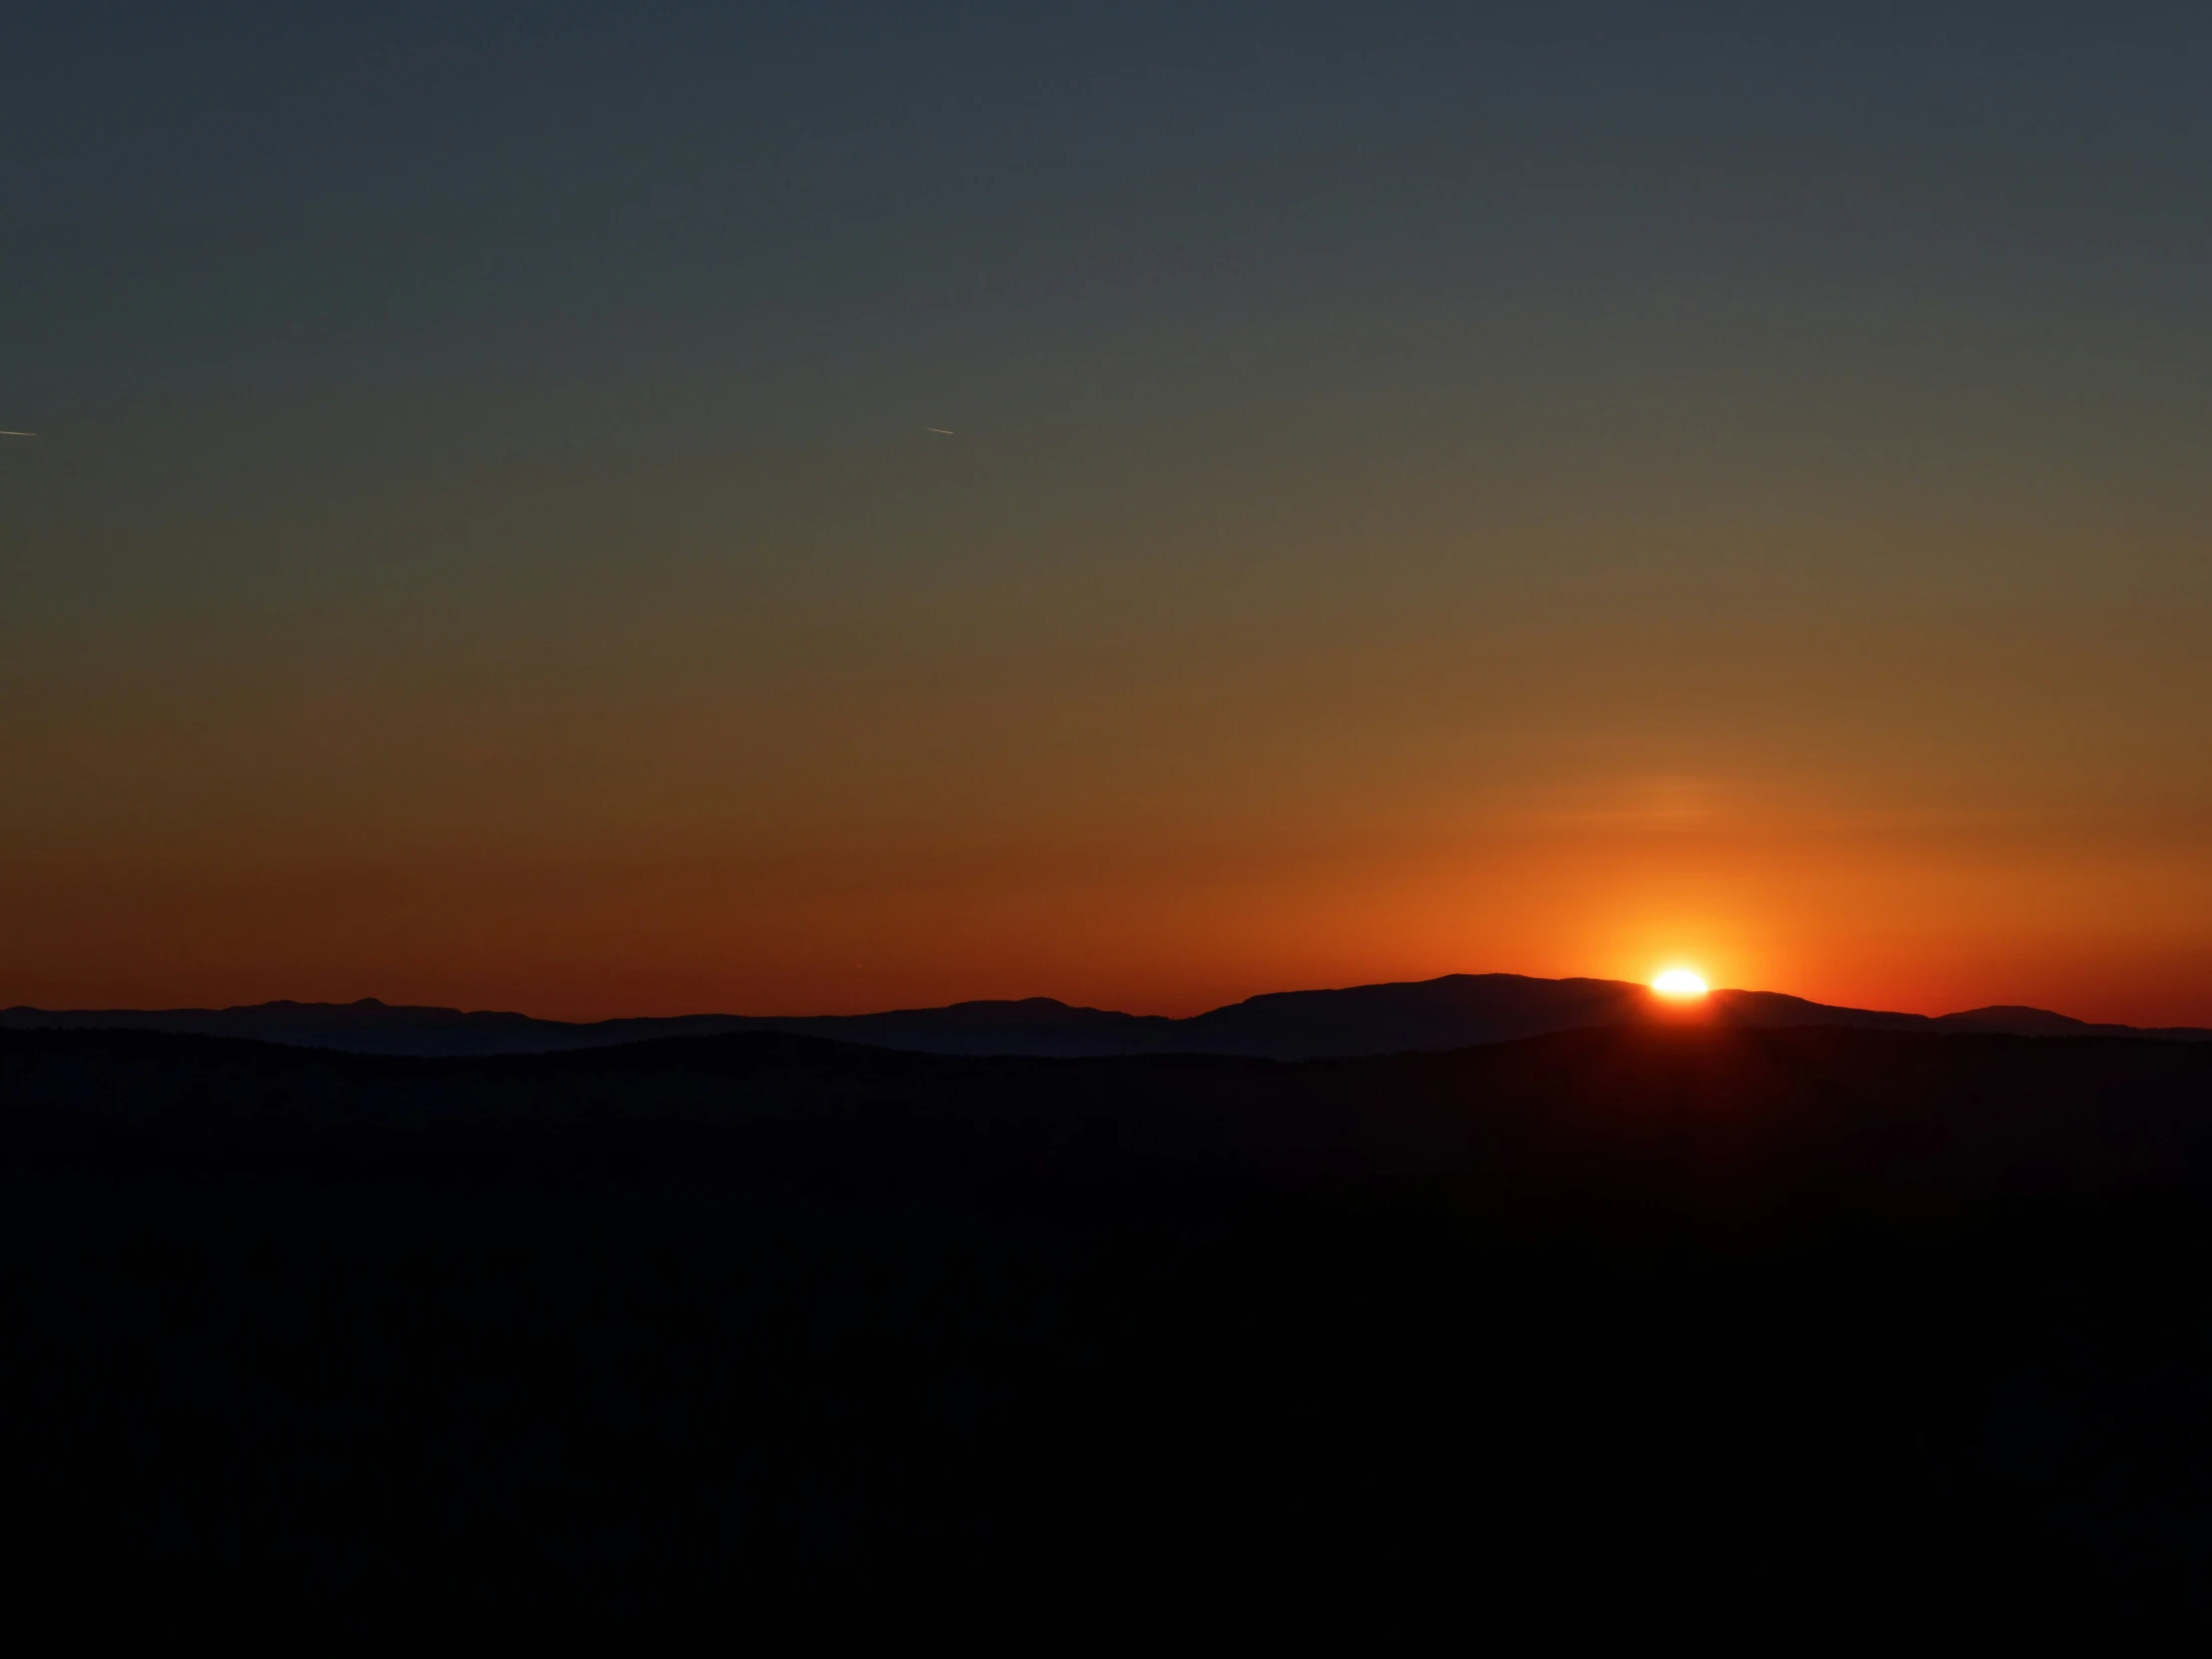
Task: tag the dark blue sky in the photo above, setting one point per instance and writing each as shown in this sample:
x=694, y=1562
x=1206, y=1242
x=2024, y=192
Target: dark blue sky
x=850, y=205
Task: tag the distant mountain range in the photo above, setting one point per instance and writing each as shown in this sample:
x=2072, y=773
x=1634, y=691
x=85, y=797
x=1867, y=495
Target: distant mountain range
x=1460, y=1010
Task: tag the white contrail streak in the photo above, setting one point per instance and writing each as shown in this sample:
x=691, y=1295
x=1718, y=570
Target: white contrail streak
x=5, y=433
x=945, y=431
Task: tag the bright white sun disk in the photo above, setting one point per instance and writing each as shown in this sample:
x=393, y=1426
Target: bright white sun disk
x=1679, y=983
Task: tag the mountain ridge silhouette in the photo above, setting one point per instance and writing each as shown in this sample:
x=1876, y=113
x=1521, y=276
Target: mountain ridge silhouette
x=1407, y=1016
x=1741, y=1289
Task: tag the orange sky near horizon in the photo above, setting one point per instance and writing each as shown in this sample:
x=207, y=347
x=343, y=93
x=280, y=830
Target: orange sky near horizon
x=1147, y=777
x=1413, y=861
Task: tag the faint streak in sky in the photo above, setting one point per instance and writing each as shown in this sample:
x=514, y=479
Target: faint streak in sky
x=941, y=431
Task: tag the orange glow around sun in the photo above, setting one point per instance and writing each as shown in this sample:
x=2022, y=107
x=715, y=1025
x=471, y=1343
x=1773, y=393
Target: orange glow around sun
x=1679, y=981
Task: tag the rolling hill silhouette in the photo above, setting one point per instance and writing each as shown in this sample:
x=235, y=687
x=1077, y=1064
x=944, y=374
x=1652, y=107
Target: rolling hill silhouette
x=1459, y=1010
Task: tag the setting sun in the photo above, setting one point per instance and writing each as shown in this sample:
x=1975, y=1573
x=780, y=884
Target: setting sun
x=1679, y=983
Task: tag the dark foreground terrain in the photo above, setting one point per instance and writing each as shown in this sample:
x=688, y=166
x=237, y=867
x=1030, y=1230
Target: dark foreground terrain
x=1663, y=1311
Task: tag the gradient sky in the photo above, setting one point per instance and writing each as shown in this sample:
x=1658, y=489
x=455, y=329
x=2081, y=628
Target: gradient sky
x=1433, y=491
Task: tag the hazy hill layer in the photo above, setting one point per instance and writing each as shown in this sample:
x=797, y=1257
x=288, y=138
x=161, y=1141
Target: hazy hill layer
x=1795, y=1113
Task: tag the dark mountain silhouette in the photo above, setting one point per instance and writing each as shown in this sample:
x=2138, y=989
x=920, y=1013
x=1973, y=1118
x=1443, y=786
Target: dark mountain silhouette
x=1847, y=1315
x=2041, y=1022
x=1456, y=1011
